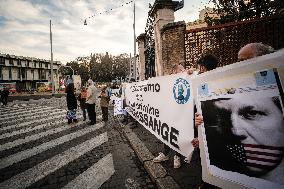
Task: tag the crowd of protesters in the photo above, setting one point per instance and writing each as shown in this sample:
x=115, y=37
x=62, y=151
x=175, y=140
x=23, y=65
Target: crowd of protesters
x=87, y=98
x=206, y=63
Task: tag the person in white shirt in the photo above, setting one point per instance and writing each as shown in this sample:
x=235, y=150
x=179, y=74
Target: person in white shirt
x=91, y=101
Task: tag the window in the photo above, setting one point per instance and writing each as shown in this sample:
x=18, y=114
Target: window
x=43, y=76
x=10, y=73
x=11, y=61
x=19, y=62
x=2, y=60
x=28, y=63
x=35, y=64
x=1, y=76
x=46, y=65
x=19, y=73
x=23, y=72
x=33, y=74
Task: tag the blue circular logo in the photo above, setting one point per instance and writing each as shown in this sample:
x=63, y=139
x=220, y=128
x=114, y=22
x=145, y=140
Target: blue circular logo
x=181, y=91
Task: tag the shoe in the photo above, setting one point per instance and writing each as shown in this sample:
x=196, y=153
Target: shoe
x=177, y=162
x=84, y=119
x=91, y=123
x=75, y=120
x=161, y=157
x=69, y=121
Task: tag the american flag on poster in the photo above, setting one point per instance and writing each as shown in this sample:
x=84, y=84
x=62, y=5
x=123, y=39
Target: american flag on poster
x=257, y=157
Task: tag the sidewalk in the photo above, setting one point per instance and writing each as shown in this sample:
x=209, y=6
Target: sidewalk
x=147, y=146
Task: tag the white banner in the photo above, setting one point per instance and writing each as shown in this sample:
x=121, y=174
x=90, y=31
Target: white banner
x=242, y=138
x=164, y=106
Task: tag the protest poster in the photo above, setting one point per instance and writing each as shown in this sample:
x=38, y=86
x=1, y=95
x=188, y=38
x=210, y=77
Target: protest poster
x=164, y=106
x=114, y=94
x=242, y=138
x=117, y=107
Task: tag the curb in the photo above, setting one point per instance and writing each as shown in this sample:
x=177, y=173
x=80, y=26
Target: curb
x=156, y=171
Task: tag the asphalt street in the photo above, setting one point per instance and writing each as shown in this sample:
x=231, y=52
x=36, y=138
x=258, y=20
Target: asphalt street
x=38, y=149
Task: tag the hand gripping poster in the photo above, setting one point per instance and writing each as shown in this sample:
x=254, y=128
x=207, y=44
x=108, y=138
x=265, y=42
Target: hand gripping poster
x=242, y=138
x=164, y=106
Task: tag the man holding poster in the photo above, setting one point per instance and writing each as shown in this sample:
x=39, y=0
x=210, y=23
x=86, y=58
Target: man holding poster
x=243, y=129
x=253, y=129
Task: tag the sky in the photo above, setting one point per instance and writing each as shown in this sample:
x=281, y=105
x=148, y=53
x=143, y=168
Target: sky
x=25, y=31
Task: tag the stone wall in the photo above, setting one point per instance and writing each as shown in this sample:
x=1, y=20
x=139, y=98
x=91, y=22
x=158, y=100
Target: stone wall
x=141, y=50
x=162, y=18
x=173, y=51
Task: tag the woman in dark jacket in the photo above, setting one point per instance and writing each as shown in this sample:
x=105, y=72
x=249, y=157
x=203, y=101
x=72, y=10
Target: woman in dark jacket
x=71, y=103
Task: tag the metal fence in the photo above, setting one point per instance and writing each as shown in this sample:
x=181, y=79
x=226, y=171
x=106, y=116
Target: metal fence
x=224, y=41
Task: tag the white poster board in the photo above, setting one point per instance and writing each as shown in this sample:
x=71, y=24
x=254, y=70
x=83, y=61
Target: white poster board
x=118, y=109
x=164, y=106
x=242, y=138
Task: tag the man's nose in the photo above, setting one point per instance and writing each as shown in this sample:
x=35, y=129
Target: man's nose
x=238, y=127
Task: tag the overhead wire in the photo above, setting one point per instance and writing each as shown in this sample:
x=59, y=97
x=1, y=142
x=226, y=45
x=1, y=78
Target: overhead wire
x=107, y=11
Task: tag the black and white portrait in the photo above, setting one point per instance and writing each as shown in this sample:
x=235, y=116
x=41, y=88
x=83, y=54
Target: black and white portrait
x=245, y=134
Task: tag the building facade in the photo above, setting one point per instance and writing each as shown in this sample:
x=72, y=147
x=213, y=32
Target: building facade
x=26, y=72
x=133, y=68
x=200, y=23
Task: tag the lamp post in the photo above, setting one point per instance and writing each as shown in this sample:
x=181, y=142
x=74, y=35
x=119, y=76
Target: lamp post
x=134, y=41
x=51, y=60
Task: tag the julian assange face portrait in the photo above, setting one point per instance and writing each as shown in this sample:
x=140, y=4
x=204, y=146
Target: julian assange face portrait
x=259, y=126
x=256, y=120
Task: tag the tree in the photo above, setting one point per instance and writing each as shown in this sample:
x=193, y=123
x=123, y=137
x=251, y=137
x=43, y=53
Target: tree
x=79, y=69
x=105, y=67
x=99, y=67
x=237, y=10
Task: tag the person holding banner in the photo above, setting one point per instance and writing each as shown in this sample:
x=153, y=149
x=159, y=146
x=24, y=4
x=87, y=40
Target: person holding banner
x=164, y=156
x=249, y=131
x=205, y=63
x=253, y=50
x=104, y=103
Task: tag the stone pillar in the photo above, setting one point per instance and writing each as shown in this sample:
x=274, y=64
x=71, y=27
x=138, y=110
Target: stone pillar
x=173, y=50
x=141, y=51
x=163, y=13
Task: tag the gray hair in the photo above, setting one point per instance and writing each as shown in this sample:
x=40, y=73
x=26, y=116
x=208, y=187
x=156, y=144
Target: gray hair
x=260, y=49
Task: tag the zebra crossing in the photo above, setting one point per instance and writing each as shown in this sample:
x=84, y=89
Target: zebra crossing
x=38, y=147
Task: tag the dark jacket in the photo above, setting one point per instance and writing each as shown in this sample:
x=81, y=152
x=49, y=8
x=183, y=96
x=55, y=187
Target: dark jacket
x=5, y=93
x=82, y=101
x=71, y=101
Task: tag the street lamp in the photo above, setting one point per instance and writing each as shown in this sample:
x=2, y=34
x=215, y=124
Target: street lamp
x=51, y=60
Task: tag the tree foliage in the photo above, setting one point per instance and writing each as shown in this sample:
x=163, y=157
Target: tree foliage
x=99, y=67
x=104, y=68
x=238, y=10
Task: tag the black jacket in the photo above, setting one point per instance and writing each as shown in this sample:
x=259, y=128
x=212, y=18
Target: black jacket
x=71, y=101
